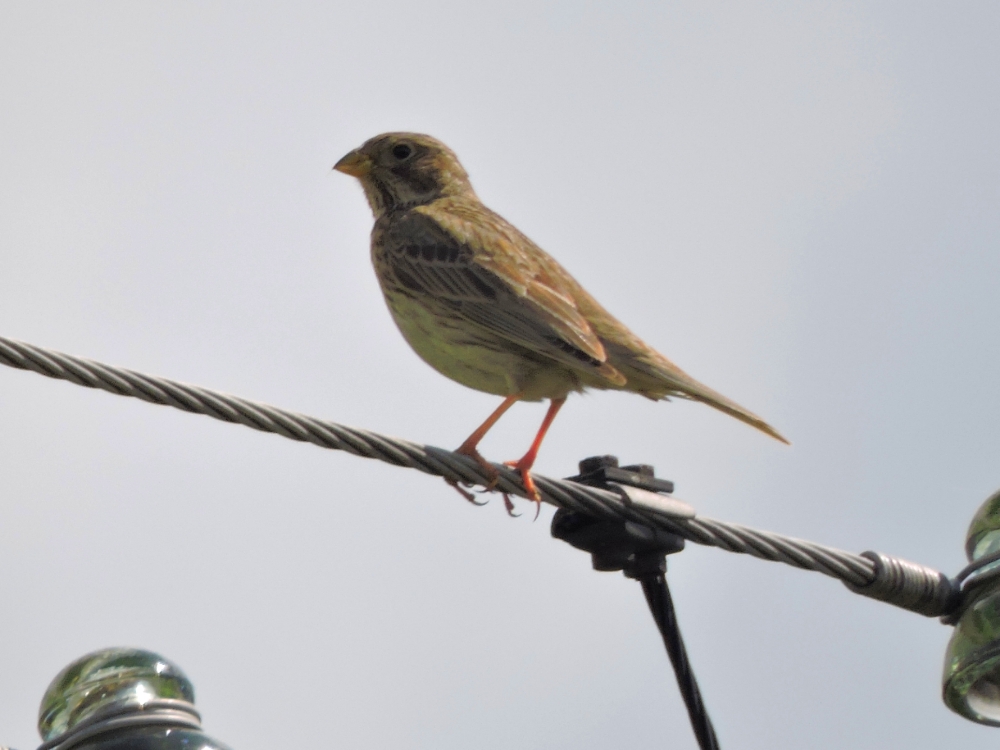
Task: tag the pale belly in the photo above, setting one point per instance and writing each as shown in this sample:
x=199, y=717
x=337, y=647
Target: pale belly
x=466, y=355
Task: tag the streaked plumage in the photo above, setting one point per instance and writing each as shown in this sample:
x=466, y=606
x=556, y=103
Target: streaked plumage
x=484, y=305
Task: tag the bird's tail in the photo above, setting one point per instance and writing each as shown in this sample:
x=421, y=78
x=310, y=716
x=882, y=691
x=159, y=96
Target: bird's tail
x=650, y=373
x=707, y=396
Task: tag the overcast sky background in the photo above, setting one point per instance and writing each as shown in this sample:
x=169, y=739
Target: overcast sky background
x=796, y=202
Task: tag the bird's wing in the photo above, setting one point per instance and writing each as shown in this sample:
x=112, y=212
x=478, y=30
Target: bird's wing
x=480, y=274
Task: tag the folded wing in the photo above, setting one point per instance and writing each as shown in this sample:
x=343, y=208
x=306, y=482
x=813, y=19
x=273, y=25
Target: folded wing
x=481, y=278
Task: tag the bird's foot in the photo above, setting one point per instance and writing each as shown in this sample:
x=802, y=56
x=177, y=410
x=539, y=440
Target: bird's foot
x=524, y=468
x=464, y=492
x=509, y=505
x=492, y=475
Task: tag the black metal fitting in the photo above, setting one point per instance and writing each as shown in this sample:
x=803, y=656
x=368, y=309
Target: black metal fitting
x=641, y=553
x=633, y=548
x=597, y=471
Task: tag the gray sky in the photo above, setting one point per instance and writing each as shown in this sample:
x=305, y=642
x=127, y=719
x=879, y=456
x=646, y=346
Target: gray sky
x=795, y=202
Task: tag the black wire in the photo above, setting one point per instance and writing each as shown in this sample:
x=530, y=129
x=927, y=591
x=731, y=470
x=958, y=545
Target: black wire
x=654, y=586
x=976, y=565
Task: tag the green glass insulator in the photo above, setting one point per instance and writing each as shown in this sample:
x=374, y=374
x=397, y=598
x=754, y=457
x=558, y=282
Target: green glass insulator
x=983, y=537
x=972, y=661
x=107, y=678
x=122, y=699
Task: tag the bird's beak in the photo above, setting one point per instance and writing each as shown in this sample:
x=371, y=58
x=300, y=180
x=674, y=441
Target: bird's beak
x=356, y=164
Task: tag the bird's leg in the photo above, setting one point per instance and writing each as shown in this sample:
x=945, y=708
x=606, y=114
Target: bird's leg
x=469, y=448
x=528, y=459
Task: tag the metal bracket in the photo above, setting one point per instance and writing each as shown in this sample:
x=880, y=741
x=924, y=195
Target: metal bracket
x=631, y=547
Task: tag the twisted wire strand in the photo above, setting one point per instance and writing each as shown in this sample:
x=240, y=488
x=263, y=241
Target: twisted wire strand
x=661, y=606
x=855, y=570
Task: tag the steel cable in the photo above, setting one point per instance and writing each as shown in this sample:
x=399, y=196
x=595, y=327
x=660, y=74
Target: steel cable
x=857, y=571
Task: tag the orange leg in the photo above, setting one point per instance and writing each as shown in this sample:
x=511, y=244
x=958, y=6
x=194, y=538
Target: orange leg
x=528, y=459
x=469, y=447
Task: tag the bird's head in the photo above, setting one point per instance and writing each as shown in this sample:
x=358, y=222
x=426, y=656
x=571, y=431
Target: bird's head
x=399, y=170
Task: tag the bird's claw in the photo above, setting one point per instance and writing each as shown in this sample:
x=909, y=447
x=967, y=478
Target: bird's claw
x=493, y=476
x=530, y=488
x=465, y=493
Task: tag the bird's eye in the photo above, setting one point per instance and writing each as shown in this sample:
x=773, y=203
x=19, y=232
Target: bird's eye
x=402, y=151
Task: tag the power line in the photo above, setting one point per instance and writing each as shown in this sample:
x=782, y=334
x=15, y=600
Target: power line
x=899, y=582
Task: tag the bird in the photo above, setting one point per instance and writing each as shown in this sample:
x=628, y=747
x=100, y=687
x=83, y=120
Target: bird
x=485, y=306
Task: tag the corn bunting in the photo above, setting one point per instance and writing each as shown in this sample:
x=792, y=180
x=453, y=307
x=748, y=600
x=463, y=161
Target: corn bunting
x=484, y=305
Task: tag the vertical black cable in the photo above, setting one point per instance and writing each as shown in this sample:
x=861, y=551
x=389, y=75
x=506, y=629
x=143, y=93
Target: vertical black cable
x=654, y=586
